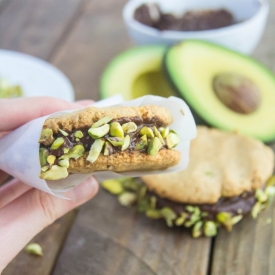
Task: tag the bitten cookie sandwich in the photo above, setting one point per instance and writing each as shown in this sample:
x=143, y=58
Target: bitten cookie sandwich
x=115, y=139
x=229, y=176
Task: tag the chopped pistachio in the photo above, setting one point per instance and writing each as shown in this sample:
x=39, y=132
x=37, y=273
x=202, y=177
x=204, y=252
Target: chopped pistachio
x=129, y=127
x=271, y=181
x=116, y=141
x=146, y=131
x=236, y=219
x=157, y=133
x=172, y=140
x=45, y=168
x=55, y=173
x=57, y=143
x=78, y=134
x=142, y=143
x=143, y=204
x=153, y=202
x=95, y=150
x=169, y=215
x=225, y=218
x=43, y=154
x=190, y=208
x=126, y=143
x=65, y=134
x=130, y=184
x=127, y=198
x=64, y=162
x=108, y=149
x=210, y=229
x=154, y=146
x=193, y=219
x=66, y=150
x=51, y=159
x=102, y=121
x=153, y=214
x=116, y=130
x=74, y=153
x=197, y=229
x=34, y=248
x=204, y=214
x=270, y=191
x=142, y=192
x=181, y=219
x=257, y=208
x=261, y=196
x=99, y=132
x=113, y=186
x=46, y=137
x=164, y=132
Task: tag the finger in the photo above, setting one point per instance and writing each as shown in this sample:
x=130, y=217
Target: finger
x=29, y=214
x=18, y=111
x=12, y=190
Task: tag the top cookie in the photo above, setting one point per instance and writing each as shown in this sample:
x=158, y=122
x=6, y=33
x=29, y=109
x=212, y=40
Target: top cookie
x=221, y=164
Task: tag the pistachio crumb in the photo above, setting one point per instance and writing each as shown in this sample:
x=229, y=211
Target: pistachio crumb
x=34, y=249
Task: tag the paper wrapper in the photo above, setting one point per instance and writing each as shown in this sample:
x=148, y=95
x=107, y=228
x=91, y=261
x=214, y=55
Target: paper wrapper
x=19, y=150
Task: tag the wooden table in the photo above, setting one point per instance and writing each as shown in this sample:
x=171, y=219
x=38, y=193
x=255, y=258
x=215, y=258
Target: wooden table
x=100, y=238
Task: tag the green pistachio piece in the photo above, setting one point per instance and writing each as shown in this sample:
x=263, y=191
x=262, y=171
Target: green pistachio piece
x=64, y=162
x=127, y=198
x=204, y=214
x=153, y=214
x=181, y=219
x=271, y=181
x=34, y=248
x=270, y=191
x=142, y=143
x=257, y=208
x=169, y=215
x=164, y=132
x=116, y=141
x=51, y=159
x=102, y=121
x=154, y=146
x=172, y=140
x=142, y=193
x=190, y=208
x=261, y=196
x=129, y=127
x=78, y=134
x=57, y=143
x=143, y=205
x=43, y=154
x=157, y=133
x=108, y=149
x=116, y=130
x=45, y=168
x=55, y=173
x=126, y=143
x=99, y=132
x=66, y=150
x=130, y=184
x=113, y=186
x=65, y=134
x=46, y=137
x=210, y=229
x=236, y=219
x=197, y=229
x=153, y=202
x=193, y=219
x=225, y=219
x=95, y=150
x=146, y=131
x=74, y=153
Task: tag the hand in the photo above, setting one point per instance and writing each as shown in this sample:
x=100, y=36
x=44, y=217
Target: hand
x=25, y=211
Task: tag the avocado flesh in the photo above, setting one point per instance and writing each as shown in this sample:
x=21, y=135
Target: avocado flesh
x=191, y=67
x=135, y=73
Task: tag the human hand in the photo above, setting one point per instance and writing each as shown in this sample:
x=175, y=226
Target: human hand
x=24, y=210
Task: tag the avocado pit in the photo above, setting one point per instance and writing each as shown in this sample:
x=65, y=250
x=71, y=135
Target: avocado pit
x=237, y=92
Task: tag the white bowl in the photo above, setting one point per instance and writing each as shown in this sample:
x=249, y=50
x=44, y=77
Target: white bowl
x=242, y=37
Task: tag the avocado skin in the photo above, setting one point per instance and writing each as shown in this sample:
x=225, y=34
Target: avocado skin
x=198, y=118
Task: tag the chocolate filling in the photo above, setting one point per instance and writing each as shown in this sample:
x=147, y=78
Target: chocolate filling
x=70, y=140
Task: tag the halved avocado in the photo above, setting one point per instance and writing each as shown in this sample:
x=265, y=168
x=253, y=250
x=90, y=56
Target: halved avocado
x=193, y=67
x=136, y=72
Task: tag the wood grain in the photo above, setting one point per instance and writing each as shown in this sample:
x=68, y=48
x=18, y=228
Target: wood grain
x=51, y=240
x=107, y=238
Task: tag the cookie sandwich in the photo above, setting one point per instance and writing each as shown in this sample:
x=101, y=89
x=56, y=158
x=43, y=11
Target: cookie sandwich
x=229, y=176
x=115, y=139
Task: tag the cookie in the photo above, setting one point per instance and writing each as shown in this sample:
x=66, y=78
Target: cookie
x=115, y=139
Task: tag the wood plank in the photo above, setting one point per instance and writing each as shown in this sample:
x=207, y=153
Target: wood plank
x=97, y=38
x=35, y=27
x=51, y=240
x=107, y=238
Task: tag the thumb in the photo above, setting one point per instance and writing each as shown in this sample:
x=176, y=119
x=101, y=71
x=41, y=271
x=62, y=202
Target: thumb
x=24, y=217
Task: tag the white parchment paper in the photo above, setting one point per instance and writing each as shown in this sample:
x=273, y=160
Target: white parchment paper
x=19, y=150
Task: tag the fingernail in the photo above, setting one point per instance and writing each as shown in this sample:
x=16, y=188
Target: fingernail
x=84, y=191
